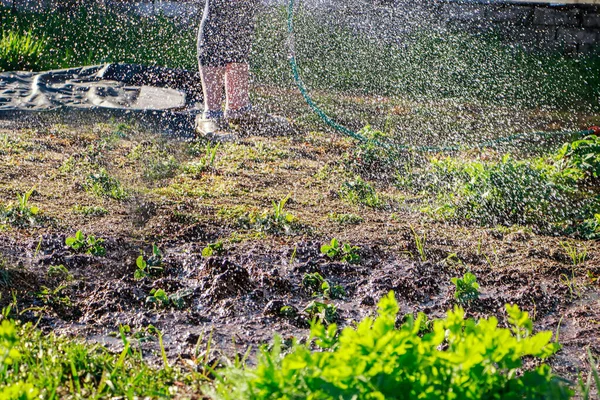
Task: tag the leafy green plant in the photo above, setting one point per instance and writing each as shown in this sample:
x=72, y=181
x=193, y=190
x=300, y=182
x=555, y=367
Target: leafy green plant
x=35, y=364
x=581, y=158
x=158, y=297
x=54, y=297
x=344, y=252
x=358, y=191
x=149, y=266
x=59, y=271
x=89, y=245
x=103, y=185
x=466, y=288
x=457, y=359
x=325, y=313
x=213, y=249
x=161, y=166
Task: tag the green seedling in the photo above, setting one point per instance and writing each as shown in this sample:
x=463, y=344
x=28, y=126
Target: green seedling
x=59, y=271
x=315, y=284
x=213, y=249
x=344, y=252
x=150, y=266
x=288, y=312
x=325, y=313
x=103, y=185
x=21, y=213
x=576, y=255
x=312, y=282
x=345, y=219
x=332, y=292
x=88, y=245
x=54, y=297
x=279, y=214
x=359, y=191
x=420, y=243
x=467, y=288
x=158, y=297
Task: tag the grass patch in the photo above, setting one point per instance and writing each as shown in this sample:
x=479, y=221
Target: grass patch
x=33, y=364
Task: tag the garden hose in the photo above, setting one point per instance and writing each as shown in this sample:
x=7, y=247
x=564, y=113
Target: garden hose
x=395, y=146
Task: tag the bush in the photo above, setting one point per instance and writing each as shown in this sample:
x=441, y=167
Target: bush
x=458, y=359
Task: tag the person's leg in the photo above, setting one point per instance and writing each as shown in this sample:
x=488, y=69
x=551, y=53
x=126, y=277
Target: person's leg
x=213, y=79
x=237, y=86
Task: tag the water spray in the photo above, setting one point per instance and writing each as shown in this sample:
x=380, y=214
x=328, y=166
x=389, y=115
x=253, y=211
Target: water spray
x=594, y=130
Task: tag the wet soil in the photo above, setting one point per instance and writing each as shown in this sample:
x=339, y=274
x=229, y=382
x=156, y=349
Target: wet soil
x=235, y=297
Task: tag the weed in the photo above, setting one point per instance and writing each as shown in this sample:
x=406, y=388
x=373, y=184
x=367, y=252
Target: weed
x=288, y=312
x=312, y=282
x=571, y=284
x=359, y=191
x=345, y=219
x=151, y=266
x=160, y=167
x=325, y=313
x=276, y=221
x=213, y=249
x=316, y=285
x=593, y=376
x=577, y=256
x=90, y=211
x=54, y=297
x=160, y=299
x=420, y=241
x=344, y=252
x=21, y=213
x=370, y=160
x=466, y=288
x=88, y=245
x=580, y=159
x=60, y=272
x=103, y=185
x=206, y=162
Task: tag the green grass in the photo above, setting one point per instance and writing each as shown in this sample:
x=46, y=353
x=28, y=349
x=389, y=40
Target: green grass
x=34, y=364
x=455, y=65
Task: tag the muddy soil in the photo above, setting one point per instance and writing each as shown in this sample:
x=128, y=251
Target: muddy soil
x=234, y=297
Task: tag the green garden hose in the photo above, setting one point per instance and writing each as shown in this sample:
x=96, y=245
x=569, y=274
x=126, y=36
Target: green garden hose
x=395, y=146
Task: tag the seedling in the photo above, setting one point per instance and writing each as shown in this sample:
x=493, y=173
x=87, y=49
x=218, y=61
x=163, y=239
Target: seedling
x=358, y=191
x=345, y=219
x=213, y=249
x=344, y=252
x=54, y=297
x=467, y=288
x=577, y=256
x=312, y=282
x=325, y=313
x=103, y=185
x=21, y=213
x=150, y=266
x=420, y=243
x=59, y=271
x=158, y=297
x=317, y=285
x=88, y=245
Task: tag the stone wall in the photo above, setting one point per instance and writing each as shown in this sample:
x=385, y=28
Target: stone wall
x=569, y=28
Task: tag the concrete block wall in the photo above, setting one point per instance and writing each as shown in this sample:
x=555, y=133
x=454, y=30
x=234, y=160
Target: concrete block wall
x=573, y=28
